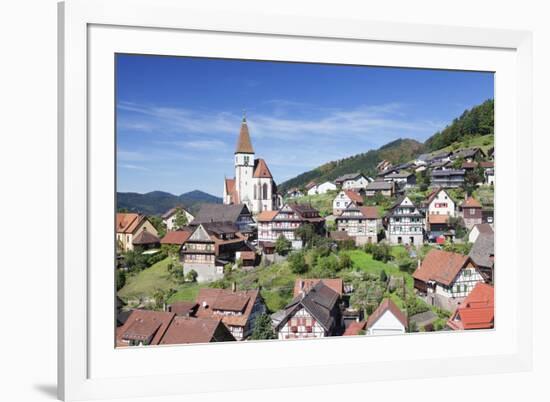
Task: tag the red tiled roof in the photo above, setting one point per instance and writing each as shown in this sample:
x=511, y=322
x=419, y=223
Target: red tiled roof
x=145, y=237
x=354, y=328
x=487, y=165
x=127, y=222
x=306, y=284
x=142, y=324
x=266, y=216
x=232, y=190
x=262, y=171
x=440, y=266
x=369, y=212
x=387, y=305
x=210, y=299
x=355, y=197
x=195, y=330
x=470, y=202
x=244, y=145
x=176, y=236
x=183, y=307
x=477, y=311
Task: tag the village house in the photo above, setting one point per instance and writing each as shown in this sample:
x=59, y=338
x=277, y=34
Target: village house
x=439, y=208
x=442, y=156
x=471, y=212
x=403, y=179
x=439, y=229
x=285, y=222
x=145, y=240
x=343, y=199
x=238, y=310
x=387, y=319
x=177, y=237
x=405, y=223
x=439, y=202
x=489, y=175
x=294, y=193
x=383, y=166
x=128, y=226
x=483, y=255
x=477, y=311
x=143, y=327
x=235, y=214
x=361, y=223
x=253, y=183
x=169, y=217
x=470, y=154
x=183, y=308
x=482, y=228
x=445, y=278
x=322, y=188
x=209, y=248
x=447, y=178
x=380, y=187
x=183, y=330
x=313, y=313
x=353, y=181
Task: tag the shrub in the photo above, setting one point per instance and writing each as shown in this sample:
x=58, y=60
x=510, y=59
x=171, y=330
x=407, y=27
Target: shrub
x=282, y=245
x=297, y=263
x=381, y=252
x=345, y=262
x=120, y=279
x=192, y=276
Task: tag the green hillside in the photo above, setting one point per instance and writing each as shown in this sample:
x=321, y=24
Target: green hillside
x=158, y=202
x=474, y=128
x=396, y=152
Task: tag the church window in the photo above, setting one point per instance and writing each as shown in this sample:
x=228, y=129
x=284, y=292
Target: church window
x=265, y=191
x=246, y=160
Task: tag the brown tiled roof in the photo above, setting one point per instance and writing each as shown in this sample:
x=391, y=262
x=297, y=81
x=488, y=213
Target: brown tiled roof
x=440, y=266
x=354, y=328
x=127, y=222
x=183, y=307
x=195, y=330
x=261, y=170
x=438, y=219
x=307, y=284
x=266, y=216
x=223, y=299
x=177, y=236
x=387, y=304
x=145, y=237
x=142, y=324
x=355, y=197
x=232, y=190
x=487, y=165
x=369, y=212
x=477, y=311
x=244, y=145
x=470, y=202
x=469, y=165
x=310, y=185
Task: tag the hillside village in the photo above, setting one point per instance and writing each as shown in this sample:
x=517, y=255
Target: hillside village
x=396, y=247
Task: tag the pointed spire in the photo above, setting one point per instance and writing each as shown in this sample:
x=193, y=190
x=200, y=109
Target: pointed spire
x=244, y=144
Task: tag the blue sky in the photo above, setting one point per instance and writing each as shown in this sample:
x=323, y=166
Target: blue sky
x=178, y=118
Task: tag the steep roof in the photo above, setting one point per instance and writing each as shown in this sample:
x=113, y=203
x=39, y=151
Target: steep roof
x=434, y=193
x=266, y=216
x=386, y=305
x=301, y=284
x=177, y=236
x=470, y=202
x=355, y=328
x=477, y=311
x=144, y=324
x=127, y=222
x=244, y=144
x=145, y=237
x=261, y=170
x=354, y=196
x=440, y=266
x=196, y=330
x=220, y=213
x=483, y=250
x=183, y=307
x=319, y=302
x=210, y=299
x=369, y=212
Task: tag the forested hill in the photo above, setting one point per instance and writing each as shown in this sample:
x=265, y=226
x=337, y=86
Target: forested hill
x=476, y=122
x=397, y=151
x=158, y=202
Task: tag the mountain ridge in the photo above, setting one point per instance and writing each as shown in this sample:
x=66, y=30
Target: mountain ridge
x=158, y=202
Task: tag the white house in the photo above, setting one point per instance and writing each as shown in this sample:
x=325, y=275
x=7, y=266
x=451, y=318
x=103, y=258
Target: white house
x=343, y=199
x=480, y=228
x=321, y=188
x=387, y=319
x=361, y=223
x=490, y=176
x=446, y=278
x=169, y=217
x=406, y=223
x=353, y=181
x=439, y=202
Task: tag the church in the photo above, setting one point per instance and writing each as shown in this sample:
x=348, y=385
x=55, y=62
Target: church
x=253, y=184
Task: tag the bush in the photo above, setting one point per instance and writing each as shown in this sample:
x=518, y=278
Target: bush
x=345, y=262
x=381, y=252
x=192, y=276
x=120, y=279
x=263, y=328
x=297, y=263
x=282, y=245
x=383, y=276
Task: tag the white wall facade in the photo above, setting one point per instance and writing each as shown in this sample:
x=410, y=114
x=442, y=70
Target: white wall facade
x=387, y=324
x=301, y=321
x=442, y=204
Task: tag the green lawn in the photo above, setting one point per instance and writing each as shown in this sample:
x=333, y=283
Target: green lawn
x=186, y=292
x=146, y=282
x=484, y=142
x=322, y=202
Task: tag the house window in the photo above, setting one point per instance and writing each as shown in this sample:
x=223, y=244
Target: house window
x=472, y=212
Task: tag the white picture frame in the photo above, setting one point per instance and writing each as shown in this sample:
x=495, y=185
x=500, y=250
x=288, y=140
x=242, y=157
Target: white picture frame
x=91, y=31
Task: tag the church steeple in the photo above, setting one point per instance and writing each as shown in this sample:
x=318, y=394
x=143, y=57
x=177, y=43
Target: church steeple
x=244, y=145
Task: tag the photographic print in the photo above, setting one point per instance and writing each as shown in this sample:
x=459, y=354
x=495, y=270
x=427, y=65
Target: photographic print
x=262, y=200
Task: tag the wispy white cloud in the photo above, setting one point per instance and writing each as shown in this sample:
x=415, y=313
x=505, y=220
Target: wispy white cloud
x=133, y=167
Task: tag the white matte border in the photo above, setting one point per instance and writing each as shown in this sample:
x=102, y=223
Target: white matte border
x=340, y=361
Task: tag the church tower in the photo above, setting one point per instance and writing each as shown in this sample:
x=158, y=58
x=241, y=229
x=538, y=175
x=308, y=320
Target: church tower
x=244, y=166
